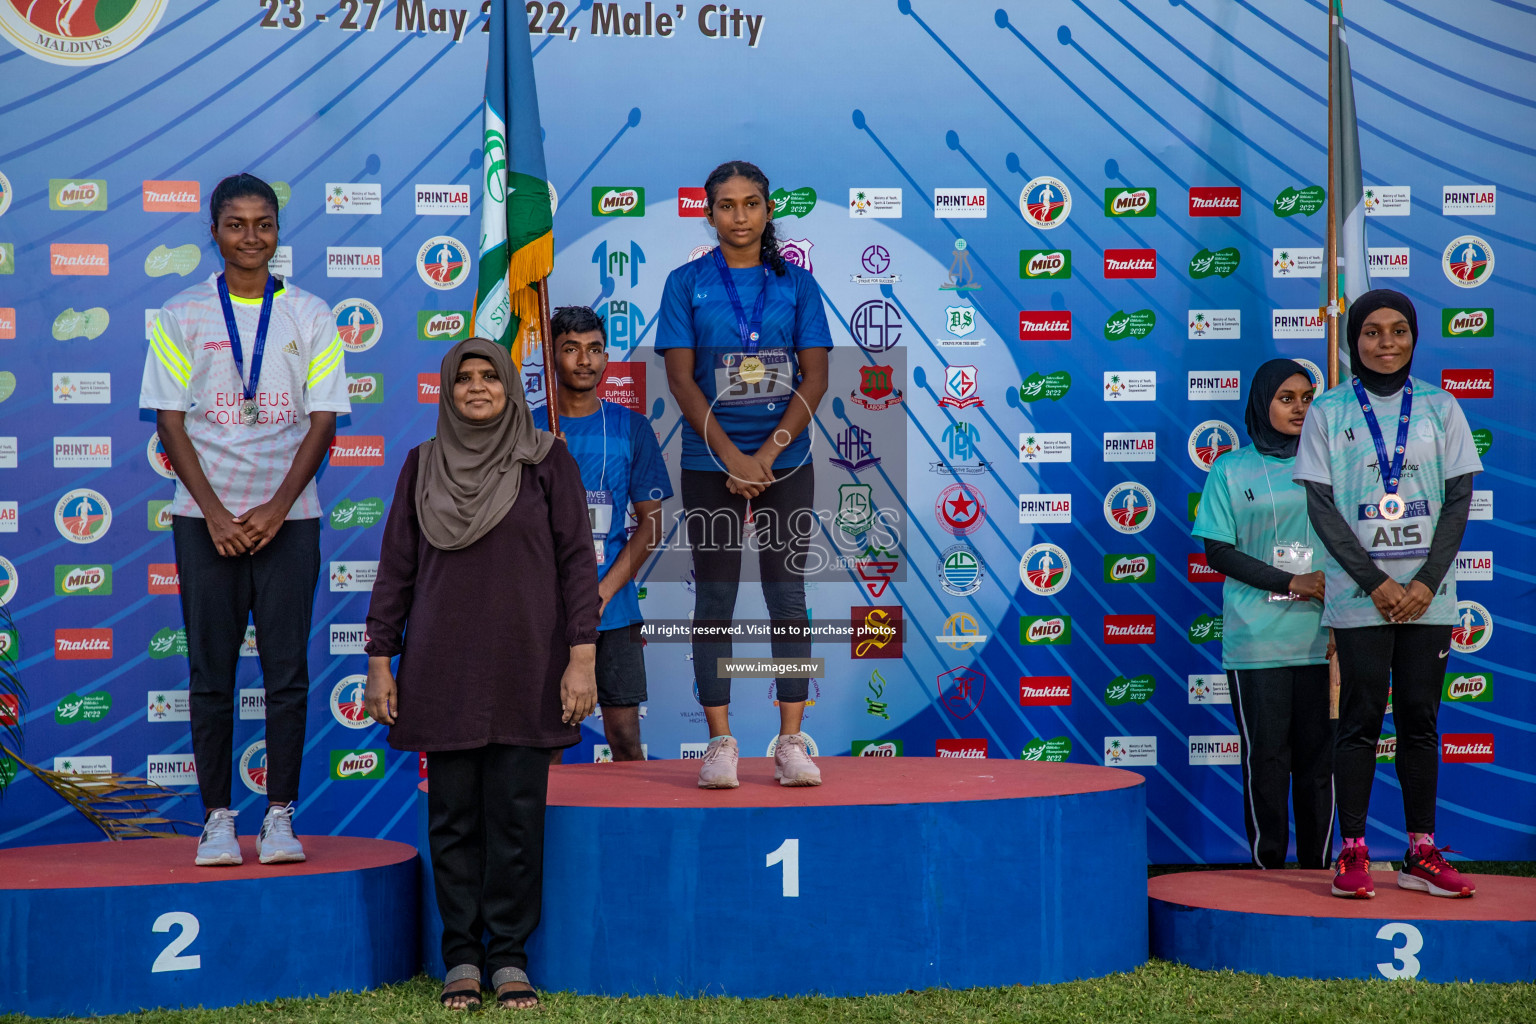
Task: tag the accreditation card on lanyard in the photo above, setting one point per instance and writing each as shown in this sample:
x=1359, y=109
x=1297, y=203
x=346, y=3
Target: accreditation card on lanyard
x=600, y=515
x=249, y=412
x=1408, y=536
x=749, y=377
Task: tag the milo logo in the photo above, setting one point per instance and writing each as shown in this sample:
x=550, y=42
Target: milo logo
x=449, y=325
x=877, y=748
x=1466, y=323
x=365, y=387
x=83, y=579
x=1130, y=202
x=10, y=644
x=1468, y=689
x=77, y=195
x=357, y=764
x=167, y=643
x=1386, y=748
x=1052, y=263
x=618, y=202
x=1045, y=629
x=1130, y=568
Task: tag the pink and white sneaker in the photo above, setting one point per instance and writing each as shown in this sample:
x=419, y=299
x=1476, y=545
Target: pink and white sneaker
x=792, y=764
x=1425, y=870
x=719, y=768
x=1352, y=879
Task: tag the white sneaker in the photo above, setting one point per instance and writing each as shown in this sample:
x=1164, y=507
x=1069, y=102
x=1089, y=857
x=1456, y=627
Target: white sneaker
x=218, y=847
x=719, y=768
x=792, y=764
x=278, y=843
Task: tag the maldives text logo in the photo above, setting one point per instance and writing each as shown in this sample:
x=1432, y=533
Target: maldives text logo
x=76, y=644
x=1215, y=201
x=168, y=706
x=619, y=201
x=354, y=261
x=78, y=35
x=1130, y=202
x=1130, y=263
x=172, y=197
x=1045, y=325
x=1466, y=323
x=959, y=202
x=1209, y=689
x=1296, y=323
x=82, y=580
x=354, y=197
x=1213, y=750
x=80, y=260
x=1294, y=262
x=1130, y=629
x=1130, y=385
x=1054, y=447
x=1468, y=383
x=357, y=450
x=1469, y=200
x=1466, y=747
x=1037, y=691
x=350, y=576
x=77, y=194
x=865, y=202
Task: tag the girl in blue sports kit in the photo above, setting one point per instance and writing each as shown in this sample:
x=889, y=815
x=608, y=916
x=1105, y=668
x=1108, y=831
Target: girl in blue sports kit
x=745, y=338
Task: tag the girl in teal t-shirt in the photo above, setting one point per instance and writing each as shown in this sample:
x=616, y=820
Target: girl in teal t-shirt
x=1253, y=519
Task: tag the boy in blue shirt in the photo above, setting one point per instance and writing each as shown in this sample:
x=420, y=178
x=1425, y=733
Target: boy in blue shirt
x=621, y=465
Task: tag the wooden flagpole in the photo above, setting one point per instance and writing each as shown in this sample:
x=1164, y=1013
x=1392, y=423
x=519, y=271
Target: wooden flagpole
x=551, y=386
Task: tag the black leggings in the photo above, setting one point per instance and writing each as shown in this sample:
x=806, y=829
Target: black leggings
x=1412, y=659
x=714, y=519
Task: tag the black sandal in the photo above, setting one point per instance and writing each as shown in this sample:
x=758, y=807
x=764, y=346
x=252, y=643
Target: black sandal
x=506, y=976
x=463, y=972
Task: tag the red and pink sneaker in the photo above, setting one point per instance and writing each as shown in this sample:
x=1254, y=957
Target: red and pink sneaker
x=1426, y=870
x=1352, y=878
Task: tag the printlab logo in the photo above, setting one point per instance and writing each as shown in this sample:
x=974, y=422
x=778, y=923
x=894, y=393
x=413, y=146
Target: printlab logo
x=442, y=262
x=618, y=201
x=961, y=570
x=961, y=690
x=359, y=323
x=1297, y=323
x=1046, y=202
x=876, y=325
x=1467, y=261
x=876, y=390
x=1389, y=261
x=1210, y=441
x=855, y=450
x=1215, y=385
x=1045, y=569
x=1469, y=200
x=1045, y=508
x=442, y=201
x=1130, y=446
x=358, y=261
x=959, y=202
x=1474, y=566
x=876, y=260
x=78, y=35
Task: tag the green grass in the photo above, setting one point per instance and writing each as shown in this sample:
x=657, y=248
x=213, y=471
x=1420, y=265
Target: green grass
x=1157, y=992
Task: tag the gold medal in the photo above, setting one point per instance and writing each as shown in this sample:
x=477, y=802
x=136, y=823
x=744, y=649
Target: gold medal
x=752, y=370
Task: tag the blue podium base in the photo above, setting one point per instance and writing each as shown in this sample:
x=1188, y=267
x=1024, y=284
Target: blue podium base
x=1286, y=923
x=97, y=928
x=897, y=873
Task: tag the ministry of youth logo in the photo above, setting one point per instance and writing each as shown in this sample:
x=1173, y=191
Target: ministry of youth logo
x=442, y=262
x=75, y=33
x=1045, y=569
x=1046, y=202
x=1129, y=507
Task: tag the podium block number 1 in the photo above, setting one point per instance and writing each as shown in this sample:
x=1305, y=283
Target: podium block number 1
x=788, y=854
x=170, y=958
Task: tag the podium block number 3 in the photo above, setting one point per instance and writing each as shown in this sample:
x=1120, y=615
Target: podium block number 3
x=1403, y=964
x=170, y=958
x=788, y=854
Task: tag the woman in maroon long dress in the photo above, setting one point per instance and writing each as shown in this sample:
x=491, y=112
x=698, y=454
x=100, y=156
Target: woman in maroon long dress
x=487, y=592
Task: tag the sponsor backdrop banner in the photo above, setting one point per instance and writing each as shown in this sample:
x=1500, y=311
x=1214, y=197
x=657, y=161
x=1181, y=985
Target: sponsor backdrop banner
x=1054, y=240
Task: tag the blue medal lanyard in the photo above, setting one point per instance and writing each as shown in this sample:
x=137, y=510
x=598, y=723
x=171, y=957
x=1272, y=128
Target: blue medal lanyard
x=259, y=348
x=1390, y=478
x=751, y=334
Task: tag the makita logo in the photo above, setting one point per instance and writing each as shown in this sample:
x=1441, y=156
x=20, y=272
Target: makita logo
x=1045, y=690
x=1468, y=383
x=1199, y=571
x=1130, y=629
x=78, y=259
x=1466, y=747
x=179, y=196
x=1045, y=326
x=164, y=578
x=357, y=451
x=691, y=202
x=429, y=389
x=960, y=748
x=443, y=326
x=82, y=644
x=1215, y=201
x=1130, y=262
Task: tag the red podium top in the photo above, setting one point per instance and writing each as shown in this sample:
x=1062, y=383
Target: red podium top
x=1306, y=894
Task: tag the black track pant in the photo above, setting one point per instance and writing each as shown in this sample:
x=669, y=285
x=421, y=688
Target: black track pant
x=218, y=596
x=485, y=828
x=1412, y=659
x=1285, y=740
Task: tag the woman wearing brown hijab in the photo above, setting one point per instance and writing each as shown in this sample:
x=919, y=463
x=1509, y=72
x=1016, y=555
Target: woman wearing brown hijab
x=487, y=591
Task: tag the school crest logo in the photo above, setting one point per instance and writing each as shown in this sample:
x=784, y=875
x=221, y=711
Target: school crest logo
x=1468, y=261
x=78, y=34
x=442, y=262
x=1046, y=202
x=876, y=389
x=855, y=508
x=960, y=320
x=1129, y=507
x=961, y=570
x=1045, y=569
x=960, y=509
x=359, y=323
x=1473, y=628
x=82, y=516
x=960, y=387
x=1209, y=441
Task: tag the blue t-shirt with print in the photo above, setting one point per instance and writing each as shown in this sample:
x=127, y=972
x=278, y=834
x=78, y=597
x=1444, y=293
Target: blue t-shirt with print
x=696, y=312
x=620, y=464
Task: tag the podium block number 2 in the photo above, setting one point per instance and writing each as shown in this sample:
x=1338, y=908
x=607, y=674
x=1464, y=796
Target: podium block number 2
x=170, y=958
x=788, y=854
x=1403, y=964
